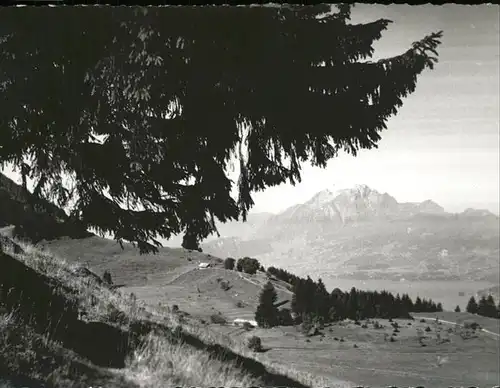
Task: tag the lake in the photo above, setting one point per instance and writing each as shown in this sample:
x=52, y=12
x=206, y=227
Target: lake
x=446, y=292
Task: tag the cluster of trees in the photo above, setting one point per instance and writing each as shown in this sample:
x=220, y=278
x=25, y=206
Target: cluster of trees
x=283, y=275
x=311, y=298
x=311, y=301
x=400, y=304
x=248, y=265
x=424, y=306
x=486, y=307
x=132, y=129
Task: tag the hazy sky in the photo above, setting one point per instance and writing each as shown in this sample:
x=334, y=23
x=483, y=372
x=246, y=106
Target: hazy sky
x=444, y=143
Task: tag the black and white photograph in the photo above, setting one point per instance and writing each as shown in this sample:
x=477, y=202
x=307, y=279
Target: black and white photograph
x=261, y=195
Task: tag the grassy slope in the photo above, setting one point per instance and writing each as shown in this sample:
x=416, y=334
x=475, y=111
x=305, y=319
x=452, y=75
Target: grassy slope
x=373, y=362
x=204, y=357
x=490, y=324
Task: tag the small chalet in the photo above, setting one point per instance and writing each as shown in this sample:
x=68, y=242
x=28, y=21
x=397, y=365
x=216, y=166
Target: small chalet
x=240, y=322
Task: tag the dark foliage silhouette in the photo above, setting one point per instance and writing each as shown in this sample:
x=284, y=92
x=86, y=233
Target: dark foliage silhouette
x=144, y=113
x=248, y=265
x=267, y=314
x=486, y=307
x=311, y=298
x=472, y=306
x=229, y=263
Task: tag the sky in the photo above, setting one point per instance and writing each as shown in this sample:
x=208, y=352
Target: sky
x=444, y=143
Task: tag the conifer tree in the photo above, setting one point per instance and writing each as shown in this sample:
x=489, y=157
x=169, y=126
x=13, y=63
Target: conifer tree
x=146, y=112
x=457, y=309
x=321, y=300
x=472, y=306
x=353, y=304
x=490, y=309
x=298, y=298
x=482, y=306
x=418, y=305
x=266, y=314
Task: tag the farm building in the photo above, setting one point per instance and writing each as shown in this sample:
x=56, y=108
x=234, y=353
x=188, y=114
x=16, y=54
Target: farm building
x=240, y=322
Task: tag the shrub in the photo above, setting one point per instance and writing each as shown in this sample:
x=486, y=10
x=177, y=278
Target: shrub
x=364, y=326
x=240, y=304
x=255, y=344
x=427, y=329
x=247, y=326
x=318, y=321
x=467, y=334
x=392, y=339
x=107, y=277
x=175, y=308
x=229, y=263
x=177, y=332
x=285, y=317
x=224, y=285
x=422, y=320
x=218, y=319
x=457, y=309
x=471, y=325
x=306, y=325
x=248, y=265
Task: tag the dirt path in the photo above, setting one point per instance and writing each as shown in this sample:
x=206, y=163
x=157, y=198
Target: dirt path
x=495, y=335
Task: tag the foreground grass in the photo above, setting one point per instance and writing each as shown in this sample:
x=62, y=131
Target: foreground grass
x=30, y=358
x=193, y=356
x=158, y=361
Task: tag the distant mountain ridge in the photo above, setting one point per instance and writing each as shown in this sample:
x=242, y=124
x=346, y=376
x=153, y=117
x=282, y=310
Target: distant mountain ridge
x=361, y=232
x=354, y=204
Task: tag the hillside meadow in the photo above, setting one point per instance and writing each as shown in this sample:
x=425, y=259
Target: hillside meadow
x=61, y=326
x=343, y=353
